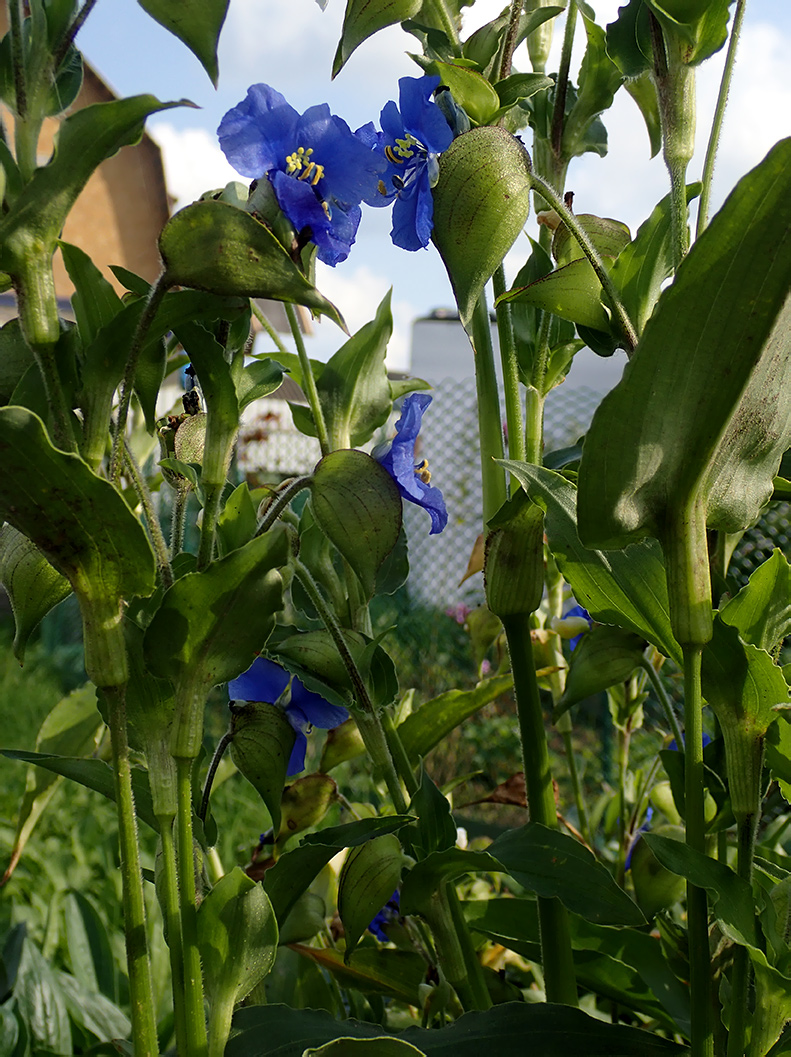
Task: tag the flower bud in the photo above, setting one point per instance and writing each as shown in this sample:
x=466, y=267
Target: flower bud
x=514, y=568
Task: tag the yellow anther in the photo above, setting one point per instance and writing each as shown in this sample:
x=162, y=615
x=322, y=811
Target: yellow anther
x=404, y=146
x=298, y=158
x=319, y=172
x=391, y=156
x=422, y=471
x=382, y=188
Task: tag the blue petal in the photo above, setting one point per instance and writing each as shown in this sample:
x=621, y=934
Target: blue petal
x=296, y=761
x=258, y=134
x=413, y=213
x=421, y=115
x=263, y=681
x=399, y=461
x=311, y=708
x=333, y=235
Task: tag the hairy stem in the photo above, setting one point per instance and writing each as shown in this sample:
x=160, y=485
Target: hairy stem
x=308, y=381
x=170, y=909
x=193, y=977
x=141, y=994
x=279, y=504
x=154, y=528
x=267, y=325
x=489, y=425
x=561, y=88
x=513, y=410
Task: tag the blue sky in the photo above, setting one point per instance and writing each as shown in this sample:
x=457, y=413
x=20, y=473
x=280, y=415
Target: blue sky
x=290, y=45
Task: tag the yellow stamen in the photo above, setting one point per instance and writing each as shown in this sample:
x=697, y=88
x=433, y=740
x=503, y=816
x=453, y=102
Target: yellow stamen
x=300, y=157
x=422, y=471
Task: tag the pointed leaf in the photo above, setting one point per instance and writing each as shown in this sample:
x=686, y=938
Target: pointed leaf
x=363, y=18
x=237, y=938
x=435, y=829
x=368, y=879
x=94, y=301
x=216, y=247
x=436, y=869
x=261, y=747
x=32, y=585
x=195, y=22
x=470, y=91
x=294, y=871
x=552, y=863
x=657, y=432
x=553, y=1031
x=604, y=656
x=260, y=378
x=761, y=611
x=626, y=588
x=211, y=623
x=395, y=974
x=480, y=206
x=358, y=507
x=434, y=720
x=572, y=292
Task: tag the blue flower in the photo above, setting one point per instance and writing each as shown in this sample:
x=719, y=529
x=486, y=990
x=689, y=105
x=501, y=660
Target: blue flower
x=389, y=913
x=649, y=814
x=411, y=140
x=320, y=170
x=266, y=681
x=398, y=458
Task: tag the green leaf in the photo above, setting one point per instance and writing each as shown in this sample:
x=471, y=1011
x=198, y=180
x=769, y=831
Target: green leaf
x=435, y=829
x=629, y=39
x=553, y=1031
x=425, y=878
x=237, y=522
x=357, y=506
x=385, y=1046
x=92, y=1010
x=521, y=86
x=237, y=938
x=261, y=747
x=82, y=525
x=703, y=27
x=90, y=954
x=761, y=611
x=552, y=863
x=216, y=247
x=642, y=267
x=742, y=684
x=392, y=973
x=93, y=774
x=197, y=23
x=658, y=434
x=514, y=924
x=625, y=588
x=469, y=90
x=604, y=656
x=71, y=729
x=304, y=804
x=513, y=571
x=353, y=387
x=32, y=585
x=572, y=292
x=368, y=879
x=16, y=357
x=643, y=91
x=294, y=871
x=259, y=378
x=363, y=18
x=608, y=236
x=599, y=79
x=211, y=623
x=481, y=203
x=731, y=895
x=94, y=301
x=773, y=1004
x=41, y=1003
x=434, y=720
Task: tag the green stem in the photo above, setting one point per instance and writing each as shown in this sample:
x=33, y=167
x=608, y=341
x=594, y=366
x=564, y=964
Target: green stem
x=719, y=114
x=208, y=528
x=564, y=726
x=561, y=88
x=513, y=410
x=556, y=953
x=141, y=995
x=170, y=899
x=178, y=518
x=489, y=425
x=509, y=40
x=193, y=979
x=702, y=1037
x=219, y=752
x=154, y=528
x=747, y=828
x=479, y=997
x=279, y=504
x=308, y=381
x=447, y=21
x=155, y=295
x=18, y=59
x=62, y=418
x=461, y=967
x=611, y=292
x=379, y=752
x=220, y=1023
x=266, y=324
x=398, y=753
x=623, y=770
x=534, y=426
x=68, y=37
x=664, y=701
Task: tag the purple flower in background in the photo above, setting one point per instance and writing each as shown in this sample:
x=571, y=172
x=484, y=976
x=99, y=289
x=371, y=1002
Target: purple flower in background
x=412, y=478
x=266, y=681
x=643, y=829
x=389, y=913
x=320, y=170
x=414, y=134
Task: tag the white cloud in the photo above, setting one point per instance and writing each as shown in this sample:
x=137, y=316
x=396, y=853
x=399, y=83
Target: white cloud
x=357, y=295
x=193, y=161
